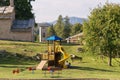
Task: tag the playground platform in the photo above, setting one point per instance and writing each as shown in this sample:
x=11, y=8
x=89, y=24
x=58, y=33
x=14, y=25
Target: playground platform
x=41, y=64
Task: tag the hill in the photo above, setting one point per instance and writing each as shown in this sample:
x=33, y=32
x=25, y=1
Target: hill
x=73, y=20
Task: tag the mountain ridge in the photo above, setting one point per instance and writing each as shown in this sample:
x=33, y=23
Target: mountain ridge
x=72, y=20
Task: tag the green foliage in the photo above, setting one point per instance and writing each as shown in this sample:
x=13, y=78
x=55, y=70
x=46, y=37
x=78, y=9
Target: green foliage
x=90, y=64
x=4, y=2
x=36, y=36
x=67, y=28
x=23, y=8
x=63, y=27
x=59, y=26
x=102, y=31
x=51, y=31
x=76, y=28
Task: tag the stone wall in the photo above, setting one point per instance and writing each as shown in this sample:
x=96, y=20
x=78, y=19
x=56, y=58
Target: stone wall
x=22, y=36
x=5, y=26
x=7, y=34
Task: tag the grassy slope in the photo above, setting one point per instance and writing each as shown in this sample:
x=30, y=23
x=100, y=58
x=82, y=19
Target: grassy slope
x=91, y=66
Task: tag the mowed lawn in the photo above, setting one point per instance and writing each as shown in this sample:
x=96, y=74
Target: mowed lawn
x=92, y=66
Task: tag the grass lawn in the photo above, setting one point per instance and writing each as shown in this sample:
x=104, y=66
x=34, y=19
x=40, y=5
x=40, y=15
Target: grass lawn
x=92, y=66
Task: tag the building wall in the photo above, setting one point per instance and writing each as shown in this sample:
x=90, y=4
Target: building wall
x=75, y=39
x=5, y=26
x=22, y=36
x=42, y=33
x=7, y=34
x=6, y=22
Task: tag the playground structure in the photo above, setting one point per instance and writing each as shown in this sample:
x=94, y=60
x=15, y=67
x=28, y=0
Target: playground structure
x=56, y=55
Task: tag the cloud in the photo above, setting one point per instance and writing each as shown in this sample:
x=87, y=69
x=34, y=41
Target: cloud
x=49, y=10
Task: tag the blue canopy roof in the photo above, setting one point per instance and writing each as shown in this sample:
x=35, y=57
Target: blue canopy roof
x=52, y=38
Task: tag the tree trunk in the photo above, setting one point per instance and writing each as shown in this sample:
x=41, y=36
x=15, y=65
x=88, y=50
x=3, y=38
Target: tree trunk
x=110, y=59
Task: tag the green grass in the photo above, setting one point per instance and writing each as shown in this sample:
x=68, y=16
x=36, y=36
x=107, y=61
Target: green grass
x=92, y=66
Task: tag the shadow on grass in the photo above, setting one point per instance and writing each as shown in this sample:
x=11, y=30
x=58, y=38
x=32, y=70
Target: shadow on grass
x=11, y=60
x=65, y=44
x=56, y=76
x=17, y=66
x=20, y=44
x=90, y=69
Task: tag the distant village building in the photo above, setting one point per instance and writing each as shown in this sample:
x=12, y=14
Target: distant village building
x=13, y=29
x=43, y=31
x=75, y=38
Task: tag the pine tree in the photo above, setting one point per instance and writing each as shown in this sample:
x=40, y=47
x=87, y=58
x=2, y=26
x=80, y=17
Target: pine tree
x=51, y=31
x=58, y=27
x=23, y=9
x=67, y=28
x=4, y=3
x=76, y=28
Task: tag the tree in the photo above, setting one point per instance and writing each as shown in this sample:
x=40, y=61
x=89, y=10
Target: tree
x=4, y=2
x=67, y=28
x=102, y=31
x=51, y=31
x=76, y=28
x=23, y=8
x=58, y=27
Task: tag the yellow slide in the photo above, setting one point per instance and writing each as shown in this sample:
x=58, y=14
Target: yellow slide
x=65, y=55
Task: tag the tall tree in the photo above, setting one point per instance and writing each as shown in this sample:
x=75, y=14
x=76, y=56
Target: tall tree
x=4, y=3
x=59, y=26
x=51, y=31
x=23, y=8
x=76, y=28
x=66, y=28
x=102, y=31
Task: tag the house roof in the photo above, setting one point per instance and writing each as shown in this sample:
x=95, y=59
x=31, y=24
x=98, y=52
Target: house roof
x=52, y=38
x=77, y=35
x=44, y=24
x=6, y=10
x=23, y=24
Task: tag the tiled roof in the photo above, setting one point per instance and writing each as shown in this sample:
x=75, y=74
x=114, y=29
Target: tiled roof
x=23, y=24
x=44, y=24
x=77, y=35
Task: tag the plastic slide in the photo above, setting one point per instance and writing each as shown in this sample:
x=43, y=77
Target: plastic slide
x=65, y=55
x=41, y=64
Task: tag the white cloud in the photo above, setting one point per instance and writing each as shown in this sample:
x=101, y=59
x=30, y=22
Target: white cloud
x=49, y=10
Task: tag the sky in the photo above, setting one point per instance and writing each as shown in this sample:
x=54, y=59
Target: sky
x=49, y=10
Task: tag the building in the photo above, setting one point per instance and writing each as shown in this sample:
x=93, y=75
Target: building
x=13, y=29
x=43, y=31
x=75, y=39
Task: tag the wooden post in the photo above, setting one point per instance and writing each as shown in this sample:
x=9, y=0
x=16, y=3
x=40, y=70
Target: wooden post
x=60, y=42
x=48, y=52
x=54, y=46
x=54, y=51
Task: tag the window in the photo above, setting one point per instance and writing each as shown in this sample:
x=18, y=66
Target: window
x=43, y=34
